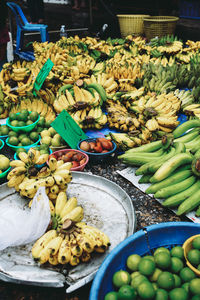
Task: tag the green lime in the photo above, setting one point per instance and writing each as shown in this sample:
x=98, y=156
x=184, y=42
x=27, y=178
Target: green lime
x=22, y=117
x=176, y=264
x=137, y=280
x=44, y=147
x=4, y=130
x=20, y=144
x=14, y=123
x=155, y=286
x=34, y=136
x=13, y=140
x=196, y=243
x=33, y=116
x=177, y=251
x=120, y=278
x=161, y=294
x=26, y=141
x=12, y=116
x=177, y=280
x=146, y=266
x=161, y=249
x=134, y=274
x=187, y=274
x=41, y=122
x=194, y=257
x=29, y=122
x=163, y=260
x=48, y=123
x=145, y=290
x=186, y=286
x=133, y=261
x=20, y=150
x=21, y=124
x=155, y=275
x=39, y=129
x=44, y=151
x=24, y=112
x=194, y=286
x=21, y=136
x=178, y=294
x=149, y=257
x=12, y=133
x=111, y=296
x=166, y=280
x=126, y=292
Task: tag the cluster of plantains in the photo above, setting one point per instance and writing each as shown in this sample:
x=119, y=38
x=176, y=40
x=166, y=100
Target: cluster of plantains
x=172, y=167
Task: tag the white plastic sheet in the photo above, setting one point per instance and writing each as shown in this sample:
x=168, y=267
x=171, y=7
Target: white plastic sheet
x=20, y=227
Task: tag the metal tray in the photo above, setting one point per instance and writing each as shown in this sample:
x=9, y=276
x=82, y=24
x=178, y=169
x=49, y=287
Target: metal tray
x=106, y=206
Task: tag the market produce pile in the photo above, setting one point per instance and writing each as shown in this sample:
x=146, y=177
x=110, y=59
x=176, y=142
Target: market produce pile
x=127, y=84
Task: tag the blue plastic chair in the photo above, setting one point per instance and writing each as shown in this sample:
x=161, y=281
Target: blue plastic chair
x=24, y=25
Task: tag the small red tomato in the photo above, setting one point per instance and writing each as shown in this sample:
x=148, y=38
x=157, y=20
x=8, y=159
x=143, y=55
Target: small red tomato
x=75, y=164
x=98, y=148
x=106, y=145
x=77, y=156
x=68, y=156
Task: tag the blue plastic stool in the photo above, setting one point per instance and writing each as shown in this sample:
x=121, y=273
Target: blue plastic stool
x=24, y=25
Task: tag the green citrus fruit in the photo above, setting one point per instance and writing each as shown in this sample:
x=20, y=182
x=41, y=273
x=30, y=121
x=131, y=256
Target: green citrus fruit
x=166, y=280
x=111, y=296
x=178, y=294
x=177, y=251
x=26, y=141
x=20, y=150
x=195, y=297
x=161, y=295
x=29, y=122
x=134, y=274
x=163, y=260
x=21, y=124
x=155, y=275
x=12, y=116
x=120, y=278
x=176, y=264
x=4, y=130
x=41, y=122
x=137, y=280
x=126, y=292
x=22, y=117
x=33, y=116
x=133, y=261
x=146, y=291
x=149, y=257
x=196, y=243
x=146, y=266
x=13, y=140
x=12, y=133
x=177, y=281
x=14, y=123
x=194, y=286
x=161, y=249
x=34, y=136
x=21, y=136
x=25, y=112
x=186, y=286
x=194, y=257
x=187, y=274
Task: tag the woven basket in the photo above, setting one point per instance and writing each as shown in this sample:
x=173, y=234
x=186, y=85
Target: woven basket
x=131, y=24
x=159, y=26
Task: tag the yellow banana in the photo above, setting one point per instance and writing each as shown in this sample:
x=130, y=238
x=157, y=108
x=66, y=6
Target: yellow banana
x=42, y=242
x=17, y=163
x=60, y=202
x=64, y=253
x=54, y=189
x=64, y=166
x=42, y=159
x=76, y=215
x=53, y=259
x=15, y=180
x=52, y=247
x=68, y=207
x=23, y=156
x=49, y=181
x=58, y=179
x=52, y=163
x=74, y=260
x=85, y=257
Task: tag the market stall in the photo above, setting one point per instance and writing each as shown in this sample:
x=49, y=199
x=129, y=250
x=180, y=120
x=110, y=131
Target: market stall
x=120, y=102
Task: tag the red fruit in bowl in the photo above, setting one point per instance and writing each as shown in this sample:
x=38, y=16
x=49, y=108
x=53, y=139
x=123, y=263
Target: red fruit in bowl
x=77, y=156
x=107, y=145
x=54, y=156
x=98, y=148
x=75, y=164
x=92, y=145
x=85, y=146
x=82, y=161
x=105, y=151
x=68, y=156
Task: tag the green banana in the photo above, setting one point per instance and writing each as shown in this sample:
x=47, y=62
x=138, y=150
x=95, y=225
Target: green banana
x=100, y=90
x=186, y=126
x=63, y=88
x=190, y=203
x=170, y=165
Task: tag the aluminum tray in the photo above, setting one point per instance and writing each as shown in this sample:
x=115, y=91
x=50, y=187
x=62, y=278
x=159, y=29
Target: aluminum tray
x=106, y=206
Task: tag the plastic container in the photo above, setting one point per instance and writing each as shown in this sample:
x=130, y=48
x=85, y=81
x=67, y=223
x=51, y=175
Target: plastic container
x=131, y=24
x=79, y=168
x=187, y=246
x=2, y=175
x=98, y=157
x=63, y=32
x=143, y=242
x=159, y=26
x=25, y=147
x=27, y=128
x=2, y=144
x=190, y=9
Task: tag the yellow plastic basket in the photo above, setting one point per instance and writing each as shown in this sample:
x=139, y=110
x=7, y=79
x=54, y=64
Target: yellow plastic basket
x=131, y=24
x=159, y=26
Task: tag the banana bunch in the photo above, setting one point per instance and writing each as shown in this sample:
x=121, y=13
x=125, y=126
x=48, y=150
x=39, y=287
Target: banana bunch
x=90, y=117
x=84, y=63
x=185, y=97
x=69, y=241
x=107, y=82
x=26, y=179
x=192, y=110
x=35, y=104
x=170, y=48
x=184, y=57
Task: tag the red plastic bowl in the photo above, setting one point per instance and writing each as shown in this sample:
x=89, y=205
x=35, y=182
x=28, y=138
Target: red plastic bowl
x=64, y=151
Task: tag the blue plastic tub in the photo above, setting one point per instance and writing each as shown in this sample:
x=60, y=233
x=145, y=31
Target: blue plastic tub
x=25, y=147
x=143, y=242
x=2, y=144
x=190, y=9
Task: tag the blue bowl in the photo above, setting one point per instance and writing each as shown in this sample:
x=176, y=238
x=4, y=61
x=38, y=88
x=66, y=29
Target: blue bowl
x=25, y=147
x=26, y=128
x=143, y=242
x=37, y=166
x=2, y=144
x=2, y=175
x=98, y=157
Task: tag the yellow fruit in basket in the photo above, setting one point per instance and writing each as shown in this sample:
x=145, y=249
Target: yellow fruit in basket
x=4, y=162
x=45, y=133
x=46, y=140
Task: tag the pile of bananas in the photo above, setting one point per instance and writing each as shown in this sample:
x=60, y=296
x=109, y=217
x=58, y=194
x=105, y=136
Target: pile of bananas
x=106, y=81
x=26, y=178
x=69, y=241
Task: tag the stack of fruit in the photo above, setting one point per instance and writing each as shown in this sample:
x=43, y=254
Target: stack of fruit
x=51, y=138
x=163, y=275
x=22, y=139
x=22, y=118
x=69, y=240
x=4, y=163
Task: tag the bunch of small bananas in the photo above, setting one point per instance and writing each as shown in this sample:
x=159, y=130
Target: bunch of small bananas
x=192, y=110
x=108, y=82
x=69, y=240
x=26, y=178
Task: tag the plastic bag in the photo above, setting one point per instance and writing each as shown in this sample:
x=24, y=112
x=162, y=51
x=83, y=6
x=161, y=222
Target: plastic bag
x=22, y=226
